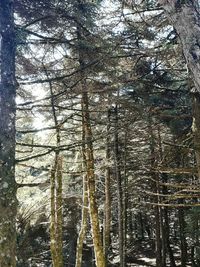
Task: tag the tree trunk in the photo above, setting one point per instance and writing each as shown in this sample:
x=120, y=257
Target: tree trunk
x=79, y=248
x=164, y=237
x=93, y=209
x=125, y=196
x=196, y=129
x=182, y=236
x=8, y=201
x=89, y=153
x=59, y=209
x=56, y=225
x=56, y=213
x=158, y=243
x=185, y=17
x=158, y=238
x=119, y=191
x=107, y=204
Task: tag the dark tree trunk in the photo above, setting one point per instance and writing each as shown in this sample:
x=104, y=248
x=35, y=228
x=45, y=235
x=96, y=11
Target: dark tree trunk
x=107, y=204
x=182, y=237
x=125, y=196
x=119, y=191
x=156, y=188
x=164, y=238
x=196, y=129
x=8, y=201
x=167, y=232
x=141, y=226
x=158, y=238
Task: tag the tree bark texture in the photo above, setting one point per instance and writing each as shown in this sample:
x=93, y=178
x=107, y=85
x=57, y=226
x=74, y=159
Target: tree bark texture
x=82, y=232
x=56, y=225
x=89, y=152
x=196, y=129
x=119, y=191
x=107, y=204
x=56, y=213
x=183, y=243
x=184, y=15
x=8, y=201
x=93, y=208
x=158, y=243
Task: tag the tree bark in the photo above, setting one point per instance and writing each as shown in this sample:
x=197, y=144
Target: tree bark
x=119, y=191
x=56, y=225
x=183, y=243
x=8, y=201
x=125, y=195
x=157, y=213
x=93, y=208
x=82, y=232
x=196, y=129
x=107, y=204
x=185, y=17
x=89, y=152
x=56, y=213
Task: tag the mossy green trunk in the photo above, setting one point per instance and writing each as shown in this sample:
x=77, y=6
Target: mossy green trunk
x=56, y=213
x=93, y=209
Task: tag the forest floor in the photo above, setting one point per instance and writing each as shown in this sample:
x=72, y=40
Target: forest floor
x=141, y=255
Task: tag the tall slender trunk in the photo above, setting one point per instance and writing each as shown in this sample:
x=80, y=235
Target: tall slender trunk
x=107, y=204
x=196, y=129
x=164, y=238
x=59, y=209
x=56, y=224
x=89, y=153
x=182, y=236
x=56, y=213
x=119, y=190
x=8, y=201
x=158, y=238
x=157, y=214
x=82, y=232
x=93, y=208
x=162, y=210
x=166, y=248
x=125, y=195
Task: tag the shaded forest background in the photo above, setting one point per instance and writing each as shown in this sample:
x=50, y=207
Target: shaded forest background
x=107, y=164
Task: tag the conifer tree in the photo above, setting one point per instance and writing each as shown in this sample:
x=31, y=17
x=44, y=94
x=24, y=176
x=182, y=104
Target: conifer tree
x=8, y=201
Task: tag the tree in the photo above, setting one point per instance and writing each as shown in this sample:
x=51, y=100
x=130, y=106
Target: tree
x=121, y=84
x=185, y=18
x=8, y=201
